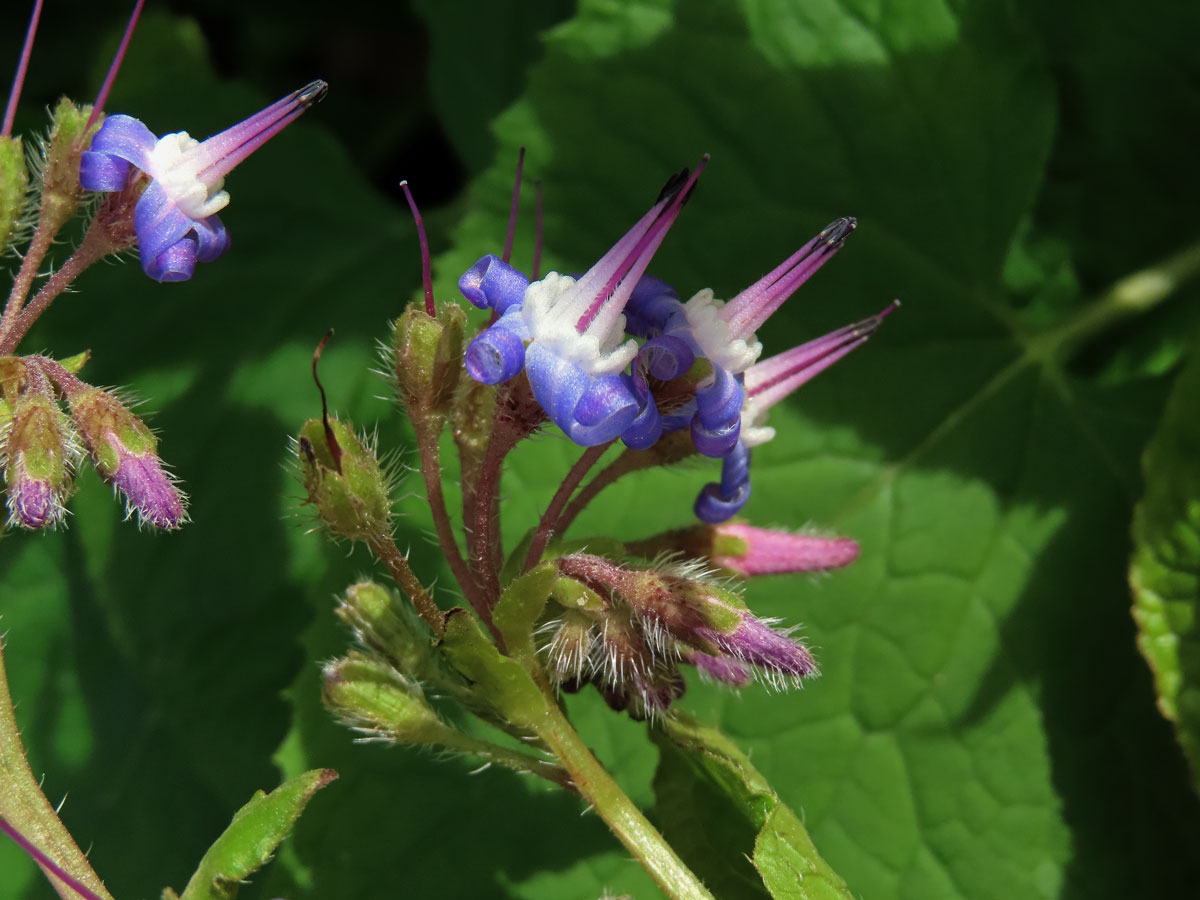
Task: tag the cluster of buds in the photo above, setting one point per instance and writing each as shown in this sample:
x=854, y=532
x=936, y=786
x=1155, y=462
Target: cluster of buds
x=626, y=629
x=41, y=446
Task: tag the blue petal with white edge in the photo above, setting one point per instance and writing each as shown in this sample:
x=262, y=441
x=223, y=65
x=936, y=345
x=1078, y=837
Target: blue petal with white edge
x=120, y=142
x=498, y=352
x=718, y=419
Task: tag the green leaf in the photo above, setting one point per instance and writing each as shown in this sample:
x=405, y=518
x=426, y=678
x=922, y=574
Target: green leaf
x=1165, y=571
x=251, y=838
x=500, y=681
x=719, y=812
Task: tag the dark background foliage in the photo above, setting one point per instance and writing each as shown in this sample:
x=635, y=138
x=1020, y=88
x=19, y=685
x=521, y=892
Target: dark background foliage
x=984, y=726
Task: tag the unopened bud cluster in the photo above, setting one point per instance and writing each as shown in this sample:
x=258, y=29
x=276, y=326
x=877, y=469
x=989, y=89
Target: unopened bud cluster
x=42, y=446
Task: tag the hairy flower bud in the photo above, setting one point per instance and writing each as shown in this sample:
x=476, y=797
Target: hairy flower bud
x=344, y=480
x=373, y=698
x=40, y=453
x=428, y=357
x=14, y=184
x=125, y=452
x=61, y=191
x=388, y=626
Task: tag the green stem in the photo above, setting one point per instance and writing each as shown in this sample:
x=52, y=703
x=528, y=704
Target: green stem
x=1133, y=295
x=620, y=813
x=26, y=808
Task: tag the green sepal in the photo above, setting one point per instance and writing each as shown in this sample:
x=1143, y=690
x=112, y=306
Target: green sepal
x=571, y=594
x=251, y=838
x=351, y=492
x=428, y=356
x=98, y=413
x=74, y=364
x=721, y=815
x=14, y=188
x=501, y=682
x=520, y=606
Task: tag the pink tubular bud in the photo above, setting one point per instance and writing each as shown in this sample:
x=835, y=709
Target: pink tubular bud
x=40, y=450
x=748, y=551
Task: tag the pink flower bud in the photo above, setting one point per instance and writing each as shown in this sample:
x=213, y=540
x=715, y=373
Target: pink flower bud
x=747, y=550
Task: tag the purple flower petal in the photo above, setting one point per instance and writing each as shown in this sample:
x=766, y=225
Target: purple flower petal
x=718, y=418
x=497, y=353
x=118, y=143
x=591, y=410
x=720, y=502
x=493, y=284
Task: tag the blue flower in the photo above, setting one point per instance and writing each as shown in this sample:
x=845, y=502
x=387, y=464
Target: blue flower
x=176, y=215
x=569, y=334
x=766, y=384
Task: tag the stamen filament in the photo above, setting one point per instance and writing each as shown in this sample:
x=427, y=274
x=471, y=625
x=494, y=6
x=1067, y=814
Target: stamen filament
x=426, y=275
x=102, y=97
x=10, y=111
x=512, y=211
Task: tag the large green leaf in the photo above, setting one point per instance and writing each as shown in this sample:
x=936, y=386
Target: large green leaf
x=1165, y=572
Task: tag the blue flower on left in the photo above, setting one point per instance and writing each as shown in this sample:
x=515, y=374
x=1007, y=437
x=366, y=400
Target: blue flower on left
x=176, y=215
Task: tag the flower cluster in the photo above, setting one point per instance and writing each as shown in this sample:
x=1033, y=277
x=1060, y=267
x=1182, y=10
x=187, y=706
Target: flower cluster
x=614, y=354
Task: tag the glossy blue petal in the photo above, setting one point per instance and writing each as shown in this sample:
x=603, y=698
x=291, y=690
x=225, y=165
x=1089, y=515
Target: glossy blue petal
x=665, y=357
x=118, y=143
x=651, y=304
x=498, y=352
x=161, y=227
x=720, y=502
x=718, y=419
x=591, y=410
x=493, y=284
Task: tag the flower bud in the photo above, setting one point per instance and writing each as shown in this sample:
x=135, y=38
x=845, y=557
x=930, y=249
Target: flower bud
x=40, y=454
x=388, y=626
x=429, y=352
x=344, y=480
x=14, y=185
x=61, y=191
x=372, y=697
x=746, y=550
x=125, y=453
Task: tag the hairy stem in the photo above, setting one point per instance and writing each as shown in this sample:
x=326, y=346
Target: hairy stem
x=550, y=522
x=485, y=531
x=26, y=809
x=385, y=549
x=431, y=468
x=97, y=243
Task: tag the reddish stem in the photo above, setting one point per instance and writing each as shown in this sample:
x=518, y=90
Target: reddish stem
x=552, y=517
x=426, y=275
x=512, y=211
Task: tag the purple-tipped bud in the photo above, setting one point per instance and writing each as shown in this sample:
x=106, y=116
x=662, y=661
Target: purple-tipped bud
x=779, y=659
x=720, y=668
x=40, y=451
x=125, y=453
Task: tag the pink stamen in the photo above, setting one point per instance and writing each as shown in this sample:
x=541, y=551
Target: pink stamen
x=747, y=312
x=47, y=863
x=634, y=262
x=537, y=233
x=102, y=97
x=230, y=147
x=426, y=275
x=10, y=111
x=512, y=211
x=771, y=380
